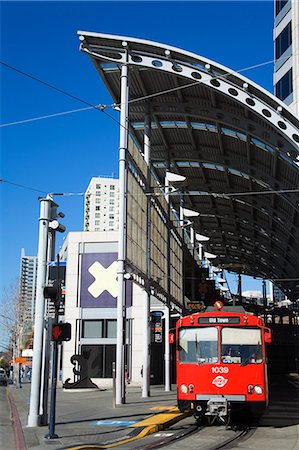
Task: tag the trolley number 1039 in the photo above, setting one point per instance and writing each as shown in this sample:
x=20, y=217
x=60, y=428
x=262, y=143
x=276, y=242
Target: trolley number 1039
x=220, y=369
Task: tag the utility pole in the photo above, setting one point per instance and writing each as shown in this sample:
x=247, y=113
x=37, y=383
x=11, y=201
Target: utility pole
x=44, y=219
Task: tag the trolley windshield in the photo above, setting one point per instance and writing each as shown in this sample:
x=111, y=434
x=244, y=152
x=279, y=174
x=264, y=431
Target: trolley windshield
x=241, y=345
x=237, y=345
x=198, y=345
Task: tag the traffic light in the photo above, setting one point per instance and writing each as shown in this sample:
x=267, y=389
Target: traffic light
x=53, y=291
x=61, y=332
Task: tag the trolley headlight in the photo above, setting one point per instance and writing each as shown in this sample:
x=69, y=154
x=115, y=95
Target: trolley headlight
x=257, y=389
x=184, y=388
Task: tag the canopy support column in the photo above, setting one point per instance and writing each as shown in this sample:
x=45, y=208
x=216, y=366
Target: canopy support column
x=147, y=293
x=121, y=297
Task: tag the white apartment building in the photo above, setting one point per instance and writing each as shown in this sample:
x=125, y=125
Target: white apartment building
x=286, y=49
x=101, y=205
x=28, y=273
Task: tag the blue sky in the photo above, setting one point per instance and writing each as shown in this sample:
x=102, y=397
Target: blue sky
x=61, y=154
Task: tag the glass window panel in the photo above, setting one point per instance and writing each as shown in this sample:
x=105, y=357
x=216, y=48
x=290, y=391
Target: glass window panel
x=241, y=345
x=110, y=357
x=284, y=87
x=198, y=345
x=94, y=356
x=283, y=40
x=92, y=329
x=279, y=4
x=111, y=328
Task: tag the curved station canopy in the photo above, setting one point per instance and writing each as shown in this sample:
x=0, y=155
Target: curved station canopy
x=236, y=144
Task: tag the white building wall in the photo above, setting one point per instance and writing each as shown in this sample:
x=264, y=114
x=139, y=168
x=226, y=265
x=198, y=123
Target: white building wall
x=73, y=245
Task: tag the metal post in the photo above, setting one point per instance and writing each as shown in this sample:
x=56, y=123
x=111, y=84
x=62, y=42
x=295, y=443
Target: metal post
x=52, y=434
x=264, y=299
x=44, y=391
x=113, y=386
x=239, y=290
x=200, y=253
x=45, y=208
x=147, y=294
x=166, y=311
x=192, y=239
x=167, y=349
x=20, y=376
x=121, y=239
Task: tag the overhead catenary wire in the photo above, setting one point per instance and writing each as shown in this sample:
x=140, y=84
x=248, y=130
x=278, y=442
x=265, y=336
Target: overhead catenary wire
x=176, y=192
x=48, y=116
x=45, y=83
x=102, y=107
x=23, y=186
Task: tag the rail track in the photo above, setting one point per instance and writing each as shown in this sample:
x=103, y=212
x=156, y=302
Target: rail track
x=201, y=436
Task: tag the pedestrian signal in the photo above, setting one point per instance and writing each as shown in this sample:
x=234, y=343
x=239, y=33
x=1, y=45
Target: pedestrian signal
x=61, y=332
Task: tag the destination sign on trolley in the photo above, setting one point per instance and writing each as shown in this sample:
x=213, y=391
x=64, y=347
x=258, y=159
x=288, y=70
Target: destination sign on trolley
x=222, y=320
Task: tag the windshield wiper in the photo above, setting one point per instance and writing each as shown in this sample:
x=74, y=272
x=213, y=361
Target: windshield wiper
x=198, y=353
x=247, y=361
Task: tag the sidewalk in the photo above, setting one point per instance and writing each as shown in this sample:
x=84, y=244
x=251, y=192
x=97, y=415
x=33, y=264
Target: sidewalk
x=87, y=417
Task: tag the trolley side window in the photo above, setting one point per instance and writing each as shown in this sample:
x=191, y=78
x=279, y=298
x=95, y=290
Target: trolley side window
x=198, y=345
x=241, y=346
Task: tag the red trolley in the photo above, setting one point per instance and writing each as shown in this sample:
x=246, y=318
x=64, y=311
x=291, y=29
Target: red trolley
x=221, y=362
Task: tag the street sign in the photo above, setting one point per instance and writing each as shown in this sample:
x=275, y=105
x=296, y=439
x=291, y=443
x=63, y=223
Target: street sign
x=195, y=306
x=156, y=327
x=21, y=360
x=56, y=275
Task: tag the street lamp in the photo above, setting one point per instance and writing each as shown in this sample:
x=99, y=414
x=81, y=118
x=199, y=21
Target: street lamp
x=170, y=177
x=209, y=255
x=221, y=280
x=201, y=237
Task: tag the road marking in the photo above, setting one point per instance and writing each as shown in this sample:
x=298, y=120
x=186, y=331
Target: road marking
x=163, y=434
x=161, y=408
x=113, y=423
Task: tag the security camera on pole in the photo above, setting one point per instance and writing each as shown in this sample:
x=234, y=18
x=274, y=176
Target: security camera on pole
x=48, y=214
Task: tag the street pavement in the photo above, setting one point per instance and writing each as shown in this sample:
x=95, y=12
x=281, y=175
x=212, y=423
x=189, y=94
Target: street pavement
x=7, y=441
x=88, y=417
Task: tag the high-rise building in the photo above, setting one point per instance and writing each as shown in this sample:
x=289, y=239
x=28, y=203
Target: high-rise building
x=276, y=295
x=28, y=273
x=101, y=209
x=286, y=49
